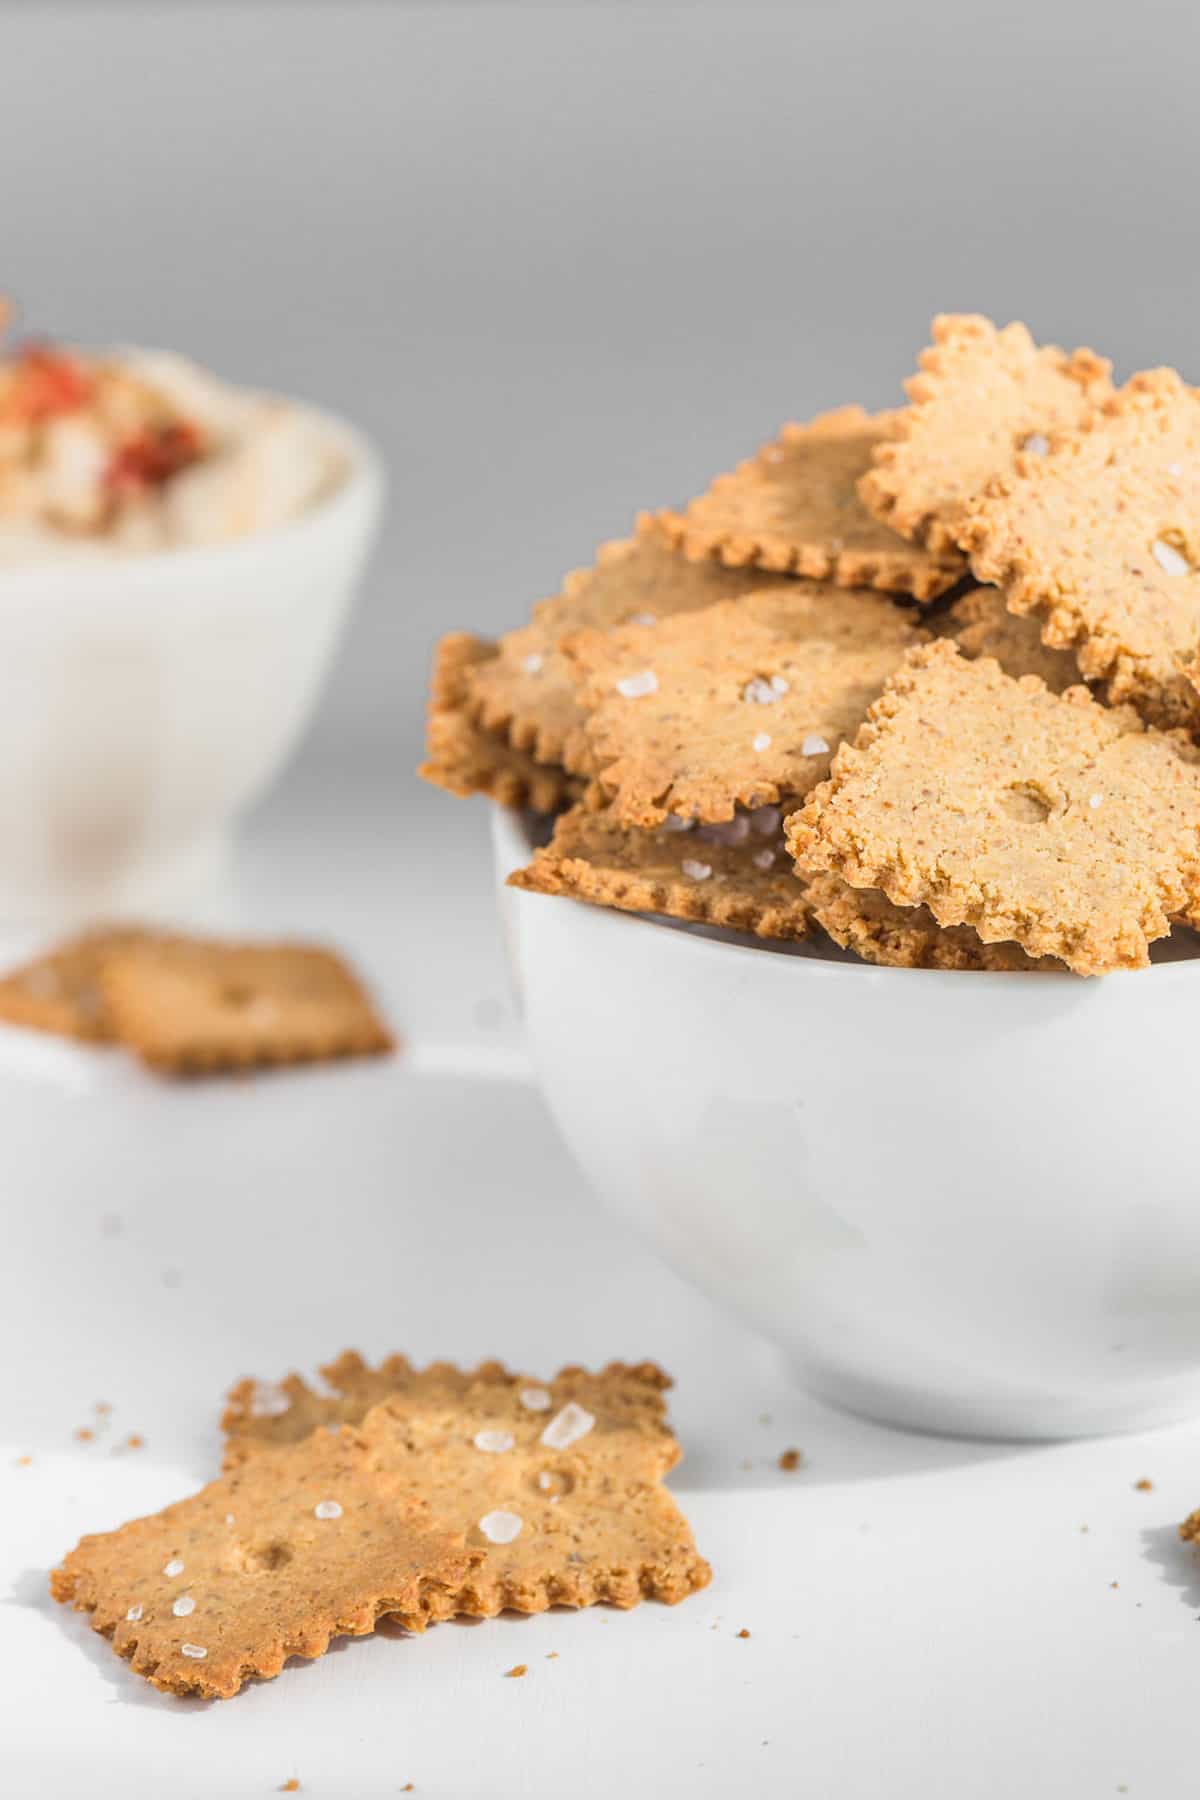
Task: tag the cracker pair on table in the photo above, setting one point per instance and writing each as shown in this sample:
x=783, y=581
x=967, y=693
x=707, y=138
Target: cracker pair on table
x=190, y=1005
x=416, y=1494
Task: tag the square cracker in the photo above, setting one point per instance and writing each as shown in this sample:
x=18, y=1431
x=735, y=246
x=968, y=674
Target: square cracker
x=526, y=692
x=1100, y=540
x=981, y=625
x=572, y=1467
x=737, y=875
x=795, y=508
x=465, y=756
x=186, y=1006
x=267, y=1576
x=906, y=937
x=1052, y=821
x=982, y=394
x=703, y=729
x=60, y=991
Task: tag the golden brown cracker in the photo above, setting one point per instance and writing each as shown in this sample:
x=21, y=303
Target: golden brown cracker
x=187, y=1006
x=1051, y=821
x=526, y=693
x=1100, y=540
x=60, y=991
x=981, y=625
x=905, y=937
x=742, y=704
x=737, y=875
x=981, y=397
x=466, y=757
x=271, y=1561
x=795, y=508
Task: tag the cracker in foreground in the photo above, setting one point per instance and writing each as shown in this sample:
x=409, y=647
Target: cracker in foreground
x=738, y=875
x=795, y=508
x=559, y=1483
x=1100, y=541
x=1052, y=821
x=60, y=991
x=525, y=694
x=270, y=1561
x=981, y=625
x=465, y=756
x=983, y=395
x=741, y=704
x=186, y=1006
x=906, y=937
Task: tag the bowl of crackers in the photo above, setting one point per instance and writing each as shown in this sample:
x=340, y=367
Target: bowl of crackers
x=873, y=776
x=177, y=560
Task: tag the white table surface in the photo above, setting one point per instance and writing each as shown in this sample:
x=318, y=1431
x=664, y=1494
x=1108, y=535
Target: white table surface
x=927, y=1617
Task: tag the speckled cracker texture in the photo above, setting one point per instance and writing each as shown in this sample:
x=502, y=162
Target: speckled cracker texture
x=906, y=937
x=60, y=991
x=982, y=394
x=466, y=757
x=1100, y=539
x=741, y=704
x=185, y=1006
x=525, y=693
x=981, y=625
x=795, y=508
x=737, y=875
x=558, y=1483
x=1051, y=821
x=226, y=1585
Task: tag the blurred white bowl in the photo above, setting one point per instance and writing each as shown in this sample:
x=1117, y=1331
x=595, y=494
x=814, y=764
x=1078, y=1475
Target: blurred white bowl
x=146, y=700
x=961, y=1201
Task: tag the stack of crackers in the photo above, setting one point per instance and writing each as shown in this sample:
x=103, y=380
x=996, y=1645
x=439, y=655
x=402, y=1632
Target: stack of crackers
x=927, y=681
x=415, y=1494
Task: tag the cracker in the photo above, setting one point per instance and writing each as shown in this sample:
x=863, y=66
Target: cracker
x=187, y=1006
x=268, y=1573
x=795, y=508
x=466, y=757
x=1100, y=540
x=685, y=719
x=1052, y=821
x=60, y=991
x=526, y=693
x=981, y=395
x=981, y=625
x=906, y=937
x=738, y=875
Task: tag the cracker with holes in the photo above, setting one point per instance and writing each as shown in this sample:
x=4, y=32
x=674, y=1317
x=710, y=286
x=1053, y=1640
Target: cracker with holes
x=795, y=508
x=60, y=991
x=983, y=397
x=465, y=756
x=1100, y=541
x=559, y=1483
x=737, y=875
x=271, y=1561
x=740, y=705
x=185, y=1006
x=1052, y=821
x=906, y=937
x=981, y=625
x=525, y=694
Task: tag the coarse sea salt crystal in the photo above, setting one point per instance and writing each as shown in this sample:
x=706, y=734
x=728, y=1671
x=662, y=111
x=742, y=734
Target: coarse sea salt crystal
x=183, y=1606
x=268, y=1401
x=494, y=1442
x=327, y=1509
x=532, y=664
x=642, y=618
x=634, y=687
x=764, y=859
x=780, y=684
x=134, y=1614
x=500, y=1527
x=1168, y=558
x=174, y=1567
x=761, y=693
x=762, y=741
x=730, y=832
x=536, y=1399
x=814, y=745
x=695, y=871
x=568, y=1426
x=673, y=822
x=766, y=820
x=1095, y=800
x=197, y=1652
x=1036, y=444
x=1175, y=468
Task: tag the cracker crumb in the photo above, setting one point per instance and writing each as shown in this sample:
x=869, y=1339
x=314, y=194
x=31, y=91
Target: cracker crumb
x=517, y=1669
x=85, y=1434
x=1144, y=1486
x=408, y=1788
x=790, y=1459
x=102, y=1406
x=135, y=1441
x=292, y=1786
x=552, y=1656
x=23, y=1462
x=743, y=1633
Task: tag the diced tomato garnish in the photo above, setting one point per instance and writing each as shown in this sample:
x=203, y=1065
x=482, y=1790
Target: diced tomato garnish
x=153, y=457
x=46, y=384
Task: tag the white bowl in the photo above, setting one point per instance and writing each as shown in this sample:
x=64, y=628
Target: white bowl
x=146, y=700
x=960, y=1201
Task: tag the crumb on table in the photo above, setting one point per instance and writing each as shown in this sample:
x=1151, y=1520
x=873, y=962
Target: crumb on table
x=517, y=1669
x=790, y=1459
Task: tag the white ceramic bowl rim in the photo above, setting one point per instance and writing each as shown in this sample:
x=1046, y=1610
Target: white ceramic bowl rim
x=513, y=848
x=66, y=581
